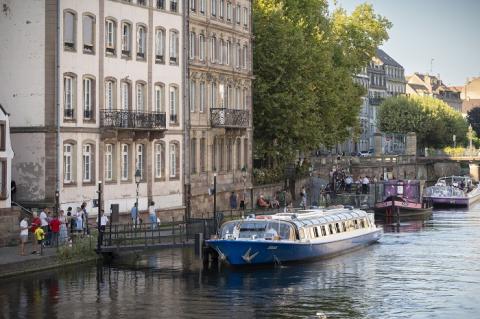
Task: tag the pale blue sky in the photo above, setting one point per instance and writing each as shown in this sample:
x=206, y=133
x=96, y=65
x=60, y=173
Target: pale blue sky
x=446, y=30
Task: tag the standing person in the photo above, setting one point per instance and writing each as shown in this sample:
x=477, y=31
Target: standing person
x=79, y=221
x=365, y=186
x=303, y=195
x=39, y=237
x=36, y=222
x=348, y=183
x=55, y=230
x=44, y=220
x=103, y=225
x=63, y=236
x=86, y=231
x=23, y=235
x=134, y=214
x=70, y=220
x=233, y=201
x=152, y=214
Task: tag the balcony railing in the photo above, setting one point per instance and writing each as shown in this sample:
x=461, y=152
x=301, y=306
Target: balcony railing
x=375, y=100
x=221, y=117
x=132, y=119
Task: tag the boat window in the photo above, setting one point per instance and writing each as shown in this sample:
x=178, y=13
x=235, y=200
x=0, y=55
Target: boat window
x=337, y=227
x=324, y=231
x=315, y=232
x=362, y=223
x=331, y=228
x=355, y=222
x=344, y=226
x=281, y=229
x=302, y=233
x=227, y=228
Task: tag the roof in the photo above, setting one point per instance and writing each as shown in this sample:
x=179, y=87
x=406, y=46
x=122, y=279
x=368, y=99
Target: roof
x=3, y=110
x=386, y=59
x=418, y=87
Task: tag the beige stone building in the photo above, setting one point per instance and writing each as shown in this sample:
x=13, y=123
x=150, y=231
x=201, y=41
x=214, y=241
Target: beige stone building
x=470, y=94
x=429, y=85
x=220, y=103
x=102, y=102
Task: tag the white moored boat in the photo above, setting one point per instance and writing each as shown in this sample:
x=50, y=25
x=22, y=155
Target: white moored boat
x=453, y=191
x=295, y=236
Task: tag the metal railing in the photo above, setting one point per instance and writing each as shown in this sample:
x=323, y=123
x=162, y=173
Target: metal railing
x=132, y=120
x=222, y=117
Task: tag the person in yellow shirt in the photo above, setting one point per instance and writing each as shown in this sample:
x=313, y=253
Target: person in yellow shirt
x=40, y=236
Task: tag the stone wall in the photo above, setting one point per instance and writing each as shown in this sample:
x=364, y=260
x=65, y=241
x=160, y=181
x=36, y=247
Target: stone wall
x=9, y=226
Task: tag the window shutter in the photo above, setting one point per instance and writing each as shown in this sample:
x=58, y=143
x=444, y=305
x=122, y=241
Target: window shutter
x=68, y=31
x=88, y=30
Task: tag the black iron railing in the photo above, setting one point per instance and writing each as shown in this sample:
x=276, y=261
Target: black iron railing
x=132, y=120
x=221, y=117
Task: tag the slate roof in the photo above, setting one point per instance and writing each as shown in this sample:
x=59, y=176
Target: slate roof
x=386, y=59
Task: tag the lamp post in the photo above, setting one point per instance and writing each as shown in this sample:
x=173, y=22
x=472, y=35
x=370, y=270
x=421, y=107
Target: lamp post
x=99, y=191
x=138, y=178
x=244, y=176
x=215, y=202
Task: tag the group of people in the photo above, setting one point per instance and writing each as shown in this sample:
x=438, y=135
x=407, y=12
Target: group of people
x=49, y=229
x=342, y=181
x=152, y=216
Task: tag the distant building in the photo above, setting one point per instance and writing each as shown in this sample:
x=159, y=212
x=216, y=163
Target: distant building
x=429, y=85
x=470, y=94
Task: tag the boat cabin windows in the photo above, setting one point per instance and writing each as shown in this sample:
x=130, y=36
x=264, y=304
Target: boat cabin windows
x=344, y=226
x=324, y=230
x=315, y=232
x=337, y=227
x=330, y=227
x=362, y=223
x=355, y=222
x=256, y=229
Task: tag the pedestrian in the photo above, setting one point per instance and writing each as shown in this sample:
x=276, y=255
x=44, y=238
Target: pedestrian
x=36, y=222
x=303, y=195
x=103, y=225
x=86, y=231
x=63, y=236
x=44, y=220
x=79, y=220
x=134, y=214
x=23, y=235
x=348, y=183
x=152, y=215
x=70, y=220
x=365, y=185
x=233, y=201
x=55, y=230
x=39, y=237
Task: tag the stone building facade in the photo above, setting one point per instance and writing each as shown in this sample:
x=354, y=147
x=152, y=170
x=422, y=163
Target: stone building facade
x=99, y=104
x=219, y=120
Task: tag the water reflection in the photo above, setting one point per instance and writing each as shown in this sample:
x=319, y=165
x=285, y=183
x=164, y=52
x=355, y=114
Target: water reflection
x=421, y=269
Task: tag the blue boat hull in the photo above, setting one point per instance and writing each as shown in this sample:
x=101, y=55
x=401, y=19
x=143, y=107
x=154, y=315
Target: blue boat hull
x=255, y=252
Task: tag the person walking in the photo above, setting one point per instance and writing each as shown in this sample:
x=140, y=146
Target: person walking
x=152, y=215
x=303, y=195
x=134, y=214
x=63, y=236
x=86, y=231
x=55, y=230
x=79, y=221
x=36, y=222
x=103, y=225
x=23, y=235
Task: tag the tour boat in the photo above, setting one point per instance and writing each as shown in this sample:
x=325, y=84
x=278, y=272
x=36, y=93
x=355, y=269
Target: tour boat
x=297, y=236
x=453, y=191
x=402, y=200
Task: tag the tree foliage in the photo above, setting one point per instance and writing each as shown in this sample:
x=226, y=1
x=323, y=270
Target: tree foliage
x=304, y=62
x=433, y=120
x=473, y=118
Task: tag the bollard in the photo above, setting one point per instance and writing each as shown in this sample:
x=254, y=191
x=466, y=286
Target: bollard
x=198, y=244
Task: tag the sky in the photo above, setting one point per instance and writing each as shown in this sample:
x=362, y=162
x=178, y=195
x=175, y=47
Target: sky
x=447, y=31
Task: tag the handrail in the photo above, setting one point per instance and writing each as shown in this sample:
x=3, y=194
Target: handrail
x=23, y=208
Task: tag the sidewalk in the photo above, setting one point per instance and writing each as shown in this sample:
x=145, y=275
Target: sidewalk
x=11, y=255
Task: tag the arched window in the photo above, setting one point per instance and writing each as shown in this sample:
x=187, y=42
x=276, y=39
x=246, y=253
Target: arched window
x=87, y=163
x=173, y=160
x=191, y=48
x=69, y=96
x=245, y=54
x=109, y=153
x=124, y=162
x=159, y=98
x=173, y=100
x=160, y=46
x=173, y=47
x=159, y=160
x=141, y=42
x=88, y=97
x=110, y=36
x=88, y=34
x=213, y=95
x=229, y=52
x=213, y=49
x=69, y=30
x=202, y=96
x=125, y=95
x=140, y=97
x=109, y=94
x=126, y=39
x=68, y=163
x=201, y=49
x=140, y=159
x=213, y=8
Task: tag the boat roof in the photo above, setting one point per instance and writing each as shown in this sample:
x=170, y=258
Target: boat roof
x=454, y=177
x=317, y=216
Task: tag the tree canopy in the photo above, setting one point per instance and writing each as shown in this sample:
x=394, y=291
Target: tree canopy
x=473, y=118
x=432, y=119
x=304, y=62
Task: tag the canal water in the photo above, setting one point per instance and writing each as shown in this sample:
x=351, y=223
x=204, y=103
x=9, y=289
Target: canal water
x=421, y=270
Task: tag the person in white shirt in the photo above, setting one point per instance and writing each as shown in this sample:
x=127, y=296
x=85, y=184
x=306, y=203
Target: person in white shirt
x=23, y=235
x=152, y=214
x=365, y=186
x=43, y=218
x=103, y=225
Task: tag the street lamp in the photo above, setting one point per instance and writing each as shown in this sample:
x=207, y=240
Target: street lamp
x=138, y=178
x=244, y=176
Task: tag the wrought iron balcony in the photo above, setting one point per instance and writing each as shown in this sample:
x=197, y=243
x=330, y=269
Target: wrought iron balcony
x=132, y=120
x=229, y=118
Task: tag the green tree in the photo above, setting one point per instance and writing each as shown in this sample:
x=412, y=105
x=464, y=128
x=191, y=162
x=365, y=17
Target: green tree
x=304, y=61
x=433, y=120
x=473, y=118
